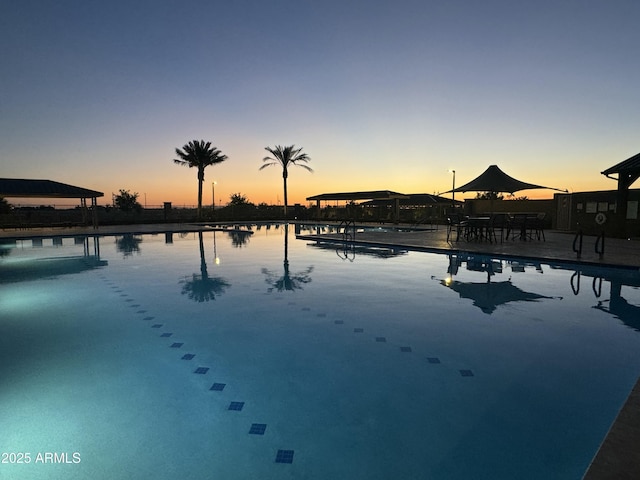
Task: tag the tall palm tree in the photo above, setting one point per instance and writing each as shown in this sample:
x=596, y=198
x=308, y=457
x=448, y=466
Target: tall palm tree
x=286, y=157
x=199, y=154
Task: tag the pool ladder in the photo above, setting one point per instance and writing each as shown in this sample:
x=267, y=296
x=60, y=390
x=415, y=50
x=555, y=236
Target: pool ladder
x=599, y=246
x=348, y=228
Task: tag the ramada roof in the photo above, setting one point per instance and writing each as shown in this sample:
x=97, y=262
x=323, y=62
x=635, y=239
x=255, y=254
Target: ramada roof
x=630, y=165
x=15, y=187
x=369, y=195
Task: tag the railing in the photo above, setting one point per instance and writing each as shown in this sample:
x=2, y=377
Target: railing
x=348, y=228
x=577, y=243
x=600, y=244
x=347, y=251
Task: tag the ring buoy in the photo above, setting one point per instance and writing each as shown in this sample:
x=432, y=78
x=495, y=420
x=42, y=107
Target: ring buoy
x=601, y=218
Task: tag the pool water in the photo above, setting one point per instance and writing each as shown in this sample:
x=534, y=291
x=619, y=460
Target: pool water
x=234, y=355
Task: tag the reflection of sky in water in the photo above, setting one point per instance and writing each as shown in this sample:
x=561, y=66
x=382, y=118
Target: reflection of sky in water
x=373, y=366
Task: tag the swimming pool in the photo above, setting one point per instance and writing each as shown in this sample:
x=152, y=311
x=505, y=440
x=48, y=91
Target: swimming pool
x=255, y=355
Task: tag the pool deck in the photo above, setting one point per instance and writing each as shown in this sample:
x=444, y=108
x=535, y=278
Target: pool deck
x=619, y=455
x=557, y=247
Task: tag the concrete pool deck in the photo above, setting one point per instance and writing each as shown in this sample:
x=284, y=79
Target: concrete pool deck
x=619, y=454
x=557, y=247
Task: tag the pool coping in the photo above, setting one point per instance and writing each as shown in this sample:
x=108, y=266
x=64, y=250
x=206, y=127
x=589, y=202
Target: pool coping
x=618, y=456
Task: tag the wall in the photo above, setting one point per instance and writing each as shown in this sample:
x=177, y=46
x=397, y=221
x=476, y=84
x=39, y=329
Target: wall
x=579, y=211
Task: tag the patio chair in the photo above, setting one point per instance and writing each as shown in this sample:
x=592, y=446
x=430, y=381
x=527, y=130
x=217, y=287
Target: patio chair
x=535, y=226
x=517, y=227
x=456, y=222
x=499, y=223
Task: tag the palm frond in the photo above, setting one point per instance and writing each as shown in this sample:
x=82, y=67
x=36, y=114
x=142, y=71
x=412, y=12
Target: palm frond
x=199, y=154
x=286, y=156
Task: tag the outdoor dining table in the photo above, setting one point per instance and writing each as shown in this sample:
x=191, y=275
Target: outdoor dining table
x=526, y=226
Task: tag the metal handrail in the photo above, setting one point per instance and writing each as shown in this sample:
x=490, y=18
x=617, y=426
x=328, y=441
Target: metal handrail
x=347, y=225
x=599, y=247
x=578, y=240
x=575, y=286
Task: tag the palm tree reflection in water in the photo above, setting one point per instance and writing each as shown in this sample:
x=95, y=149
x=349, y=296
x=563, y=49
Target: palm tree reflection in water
x=202, y=287
x=128, y=243
x=288, y=281
x=240, y=238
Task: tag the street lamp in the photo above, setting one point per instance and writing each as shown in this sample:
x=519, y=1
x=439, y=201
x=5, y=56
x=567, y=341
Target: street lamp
x=453, y=191
x=213, y=196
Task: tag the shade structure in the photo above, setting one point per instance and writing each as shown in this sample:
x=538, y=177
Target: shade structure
x=412, y=199
x=368, y=195
x=495, y=180
x=18, y=187
x=25, y=188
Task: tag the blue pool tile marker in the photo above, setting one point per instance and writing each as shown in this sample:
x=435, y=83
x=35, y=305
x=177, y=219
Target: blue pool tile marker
x=156, y=325
x=466, y=373
x=358, y=330
x=339, y=322
x=146, y=318
x=322, y=315
x=433, y=360
x=237, y=406
x=284, y=456
x=218, y=387
x=188, y=356
x=176, y=345
x=405, y=349
x=381, y=339
x=201, y=370
x=166, y=334
x=257, y=428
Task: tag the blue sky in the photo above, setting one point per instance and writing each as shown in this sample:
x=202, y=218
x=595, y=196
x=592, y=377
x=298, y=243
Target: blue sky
x=380, y=94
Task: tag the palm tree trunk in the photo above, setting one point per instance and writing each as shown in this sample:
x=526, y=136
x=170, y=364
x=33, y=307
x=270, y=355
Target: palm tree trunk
x=284, y=177
x=200, y=181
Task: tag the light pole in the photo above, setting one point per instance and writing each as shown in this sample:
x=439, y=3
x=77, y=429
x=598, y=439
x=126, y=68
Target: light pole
x=213, y=196
x=453, y=191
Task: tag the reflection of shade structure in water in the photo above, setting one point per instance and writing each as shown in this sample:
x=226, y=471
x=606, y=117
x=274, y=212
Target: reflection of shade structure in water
x=616, y=305
x=619, y=307
x=6, y=246
x=287, y=281
x=51, y=267
x=202, y=287
x=350, y=250
x=487, y=295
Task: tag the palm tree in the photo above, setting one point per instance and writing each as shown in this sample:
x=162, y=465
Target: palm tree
x=199, y=154
x=286, y=157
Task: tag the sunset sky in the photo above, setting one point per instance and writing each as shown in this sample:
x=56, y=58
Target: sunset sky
x=380, y=94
